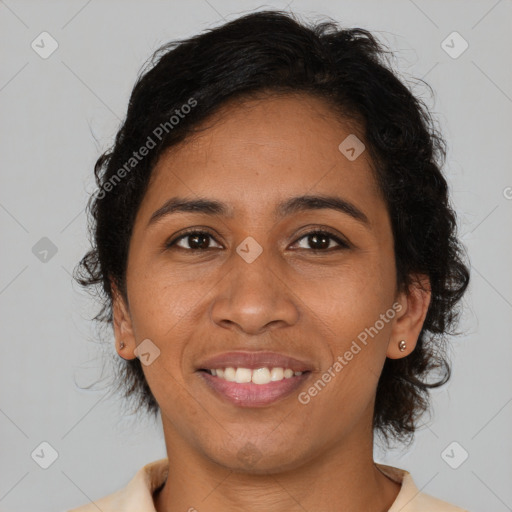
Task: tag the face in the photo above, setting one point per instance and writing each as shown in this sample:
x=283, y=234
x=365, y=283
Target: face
x=259, y=276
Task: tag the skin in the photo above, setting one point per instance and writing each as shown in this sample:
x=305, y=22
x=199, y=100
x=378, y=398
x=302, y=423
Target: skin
x=193, y=305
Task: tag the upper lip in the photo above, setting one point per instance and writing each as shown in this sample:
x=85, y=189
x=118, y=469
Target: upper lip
x=253, y=360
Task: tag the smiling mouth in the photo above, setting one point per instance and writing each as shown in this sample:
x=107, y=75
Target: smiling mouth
x=257, y=387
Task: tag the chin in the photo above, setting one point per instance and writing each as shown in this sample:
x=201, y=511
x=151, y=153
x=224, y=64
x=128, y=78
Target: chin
x=258, y=457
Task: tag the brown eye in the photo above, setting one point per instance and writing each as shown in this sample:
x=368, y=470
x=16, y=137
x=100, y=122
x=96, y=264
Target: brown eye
x=196, y=240
x=322, y=241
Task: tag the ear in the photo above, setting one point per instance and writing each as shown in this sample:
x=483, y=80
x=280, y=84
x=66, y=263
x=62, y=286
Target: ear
x=410, y=317
x=123, y=330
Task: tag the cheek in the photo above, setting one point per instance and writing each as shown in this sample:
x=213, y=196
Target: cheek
x=352, y=300
x=160, y=302
x=354, y=311
x=166, y=309
x=162, y=310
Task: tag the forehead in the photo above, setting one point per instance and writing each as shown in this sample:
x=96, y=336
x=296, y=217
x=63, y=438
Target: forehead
x=256, y=153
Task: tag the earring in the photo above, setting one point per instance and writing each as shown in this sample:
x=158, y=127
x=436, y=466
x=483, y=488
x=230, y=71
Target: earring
x=402, y=346
x=121, y=345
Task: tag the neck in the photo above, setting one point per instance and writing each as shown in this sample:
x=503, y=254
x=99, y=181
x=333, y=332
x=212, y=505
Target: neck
x=342, y=477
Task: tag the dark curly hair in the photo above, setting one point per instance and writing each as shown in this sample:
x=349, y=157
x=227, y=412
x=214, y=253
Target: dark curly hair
x=270, y=52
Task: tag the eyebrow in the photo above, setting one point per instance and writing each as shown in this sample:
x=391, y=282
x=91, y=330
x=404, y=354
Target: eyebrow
x=283, y=209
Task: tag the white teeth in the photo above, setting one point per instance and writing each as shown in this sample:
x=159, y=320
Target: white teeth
x=229, y=374
x=257, y=376
x=276, y=374
x=243, y=375
x=261, y=376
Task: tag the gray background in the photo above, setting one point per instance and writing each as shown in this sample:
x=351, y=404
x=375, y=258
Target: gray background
x=59, y=113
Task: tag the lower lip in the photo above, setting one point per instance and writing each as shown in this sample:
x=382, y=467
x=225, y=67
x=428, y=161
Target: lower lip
x=249, y=394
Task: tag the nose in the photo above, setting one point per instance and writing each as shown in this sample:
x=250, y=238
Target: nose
x=254, y=297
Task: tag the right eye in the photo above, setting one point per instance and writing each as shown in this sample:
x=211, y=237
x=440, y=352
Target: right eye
x=196, y=241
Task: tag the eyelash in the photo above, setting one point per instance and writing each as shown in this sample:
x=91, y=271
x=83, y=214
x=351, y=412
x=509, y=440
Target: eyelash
x=195, y=231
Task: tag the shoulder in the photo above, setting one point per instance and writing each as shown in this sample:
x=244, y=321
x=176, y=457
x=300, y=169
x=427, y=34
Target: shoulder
x=425, y=502
x=136, y=496
x=410, y=499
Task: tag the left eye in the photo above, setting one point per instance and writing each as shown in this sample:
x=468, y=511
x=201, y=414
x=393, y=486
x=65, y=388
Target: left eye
x=322, y=240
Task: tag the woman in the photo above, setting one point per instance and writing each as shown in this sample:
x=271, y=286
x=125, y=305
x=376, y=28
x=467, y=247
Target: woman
x=273, y=236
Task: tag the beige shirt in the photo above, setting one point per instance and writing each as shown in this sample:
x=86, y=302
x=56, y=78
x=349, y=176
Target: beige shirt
x=137, y=496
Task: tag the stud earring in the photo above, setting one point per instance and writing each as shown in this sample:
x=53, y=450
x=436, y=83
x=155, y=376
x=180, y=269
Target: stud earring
x=402, y=346
x=121, y=345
